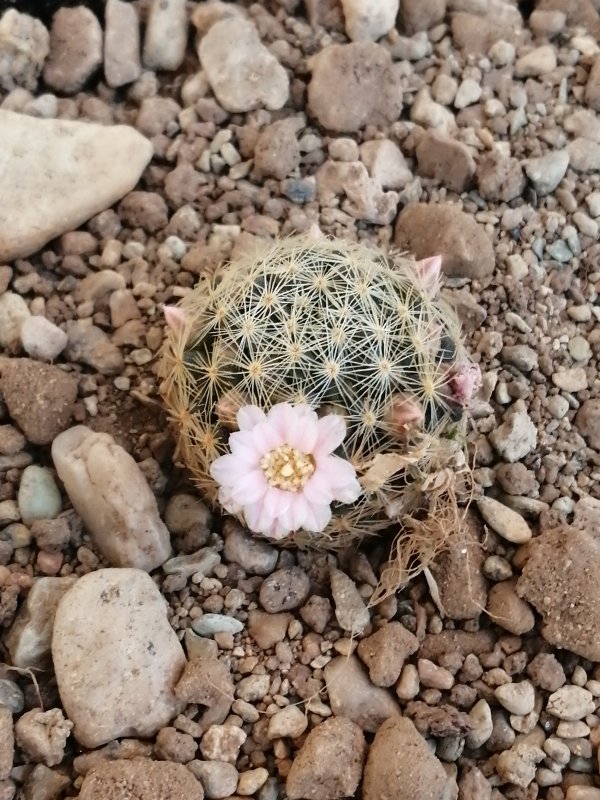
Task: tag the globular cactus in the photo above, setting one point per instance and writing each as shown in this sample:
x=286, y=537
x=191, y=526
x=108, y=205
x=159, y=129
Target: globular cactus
x=338, y=328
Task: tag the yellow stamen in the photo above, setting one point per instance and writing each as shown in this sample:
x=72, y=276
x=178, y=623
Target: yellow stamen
x=287, y=468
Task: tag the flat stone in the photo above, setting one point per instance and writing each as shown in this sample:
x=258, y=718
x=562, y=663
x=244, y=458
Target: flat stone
x=166, y=35
x=210, y=624
x=122, y=63
x=73, y=171
x=504, y=521
x=426, y=229
x=140, y=778
x=571, y=703
x=350, y=609
x=446, y=160
x=246, y=76
x=112, y=496
x=75, y=49
x=24, y=45
x=114, y=622
x=546, y=172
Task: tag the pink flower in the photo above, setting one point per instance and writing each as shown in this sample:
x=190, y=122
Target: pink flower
x=464, y=382
x=281, y=474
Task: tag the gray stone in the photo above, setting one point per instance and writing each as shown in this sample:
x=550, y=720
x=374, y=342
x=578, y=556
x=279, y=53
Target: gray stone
x=121, y=43
x=350, y=609
x=252, y=554
x=446, y=160
x=166, y=35
x=546, y=172
x=24, y=45
x=584, y=155
x=516, y=437
x=209, y=624
x=539, y=61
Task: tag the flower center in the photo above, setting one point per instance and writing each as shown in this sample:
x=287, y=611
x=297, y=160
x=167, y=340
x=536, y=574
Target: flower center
x=287, y=468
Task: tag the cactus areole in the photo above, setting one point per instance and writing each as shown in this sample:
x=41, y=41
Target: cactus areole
x=319, y=390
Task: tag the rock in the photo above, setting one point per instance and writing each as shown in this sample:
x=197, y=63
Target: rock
x=253, y=688
x=24, y=45
x=482, y=724
x=30, y=636
x=200, y=564
x=121, y=44
x=316, y=613
x=385, y=163
x=587, y=422
x=369, y=19
x=516, y=437
x=476, y=34
x=12, y=440
x=14, y=312
x=426, y=229
x=88, y=344
x=516, y=698
x=417, y=16
x=352, y=695
x=218, y=778
x=518, y=764
x=508, y=610
x=252, y=554
x=289, y=722
x=73, y=171
x=350, y=609
x=468, y=93
x=41, y=339
x=445, y=160
x=546, y=172
x=114, y=622
x=458, y=573
x=222, y=743
x=209, y=624
x=539, y=61
x=166, y=35
x=559, y=580
x=111, y=495
x=42, y=735
x=372, y=95
x=284, y=590
x=40, y=398
x=267, y=629
x=11, y=696
x=147, y=210
x=75, y=49
x=38, y=496
x=570, y=380
x=7, y=743
x=277, y=152
x=420, y=774
x=183, y=511
x=504, y=521
x=364, y=198
x=141, y=778
x=592, y=88
x=329, y=764
x=207, y=682
x=584, y=155
x=247, y=76
x=571, y=703
x=385, y=651
x=473, y=785
x=251, y=781
x=500, y=178
x=426, y=112
x=546, y=672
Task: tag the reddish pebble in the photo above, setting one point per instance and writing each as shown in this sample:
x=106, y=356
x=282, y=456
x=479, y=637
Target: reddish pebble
x=48, y=562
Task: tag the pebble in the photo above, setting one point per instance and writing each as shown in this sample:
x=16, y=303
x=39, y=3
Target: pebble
x=518, y=764
x=504, y=521
x=571, y=703
x=516, y=437
x=426, y=112
x=251, y=781
x=222, y=743
x=385, y=163
x=428, y=228
x=12, y=697
x=253, y=688
x=41, y=339
x=166, y=35
x=570, y=380
x=344, y=104
x=584, y=154
x=167, y=780
x=73, y=171
x=277, y=151
x=508, y=610
x=218, y=778
x=386, y=775
x=500, y=178
x=369, y=19
x=575, y=792
x=110, y=623
x=385, y=651
x=29, y=637
x=121, y=44
x=416, y=16
x=559, y=251
x=75, y=49
x=42, y=735
x=247, y=76
x=199, y=564
x=39, y=497
x=350, y=610
x=482, y=724
x=24, y=45
x=267, y=630
x=468, y=93
x=284, y=590
x=517, y=698
x=207, y=681
x=579, y=349
x=14, y=312
x=352, y=695
x=210, y=624
x=252, y=554
x=587, y=422
x=539, y=61
x=289, y=722
x=184, y=511
x=112, y=496
x=433, y=676
x=442, y=158
x=546, y=172
x=7, y=743
x=330, y=762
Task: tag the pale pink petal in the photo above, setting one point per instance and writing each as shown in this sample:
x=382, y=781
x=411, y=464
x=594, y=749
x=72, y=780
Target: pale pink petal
x=281, y=418
x=317, y=489
x=251, y=488
x=276, y=531
x=303, y=431
x=249, y=416
x=243, y=447
x=318, y=517
x=429, y=269
x=256, y=519
x=332, y=429
x=227, y=502
x=299, y=511
x=265, y=437
x=348, y=493
x=277, y=500
x=227, y=469
x=174, y=317
x=336, y=471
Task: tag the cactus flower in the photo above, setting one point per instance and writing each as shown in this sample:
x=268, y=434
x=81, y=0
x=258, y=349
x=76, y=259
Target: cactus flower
x=281, y=474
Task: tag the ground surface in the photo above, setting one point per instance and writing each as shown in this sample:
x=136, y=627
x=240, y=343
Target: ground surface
x=466, y=129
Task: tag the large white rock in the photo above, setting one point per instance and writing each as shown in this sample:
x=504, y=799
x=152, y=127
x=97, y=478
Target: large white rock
x=369, y=19
x=110, y=493
x=116, y=657
x=59, y=173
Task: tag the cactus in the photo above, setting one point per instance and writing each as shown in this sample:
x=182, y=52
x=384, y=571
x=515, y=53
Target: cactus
x=340, y=328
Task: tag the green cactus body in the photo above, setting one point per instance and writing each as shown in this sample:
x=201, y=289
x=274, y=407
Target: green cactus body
x=335, y=325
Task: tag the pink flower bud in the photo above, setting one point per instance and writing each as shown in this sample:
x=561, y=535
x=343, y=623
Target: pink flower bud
x=429, y=270
x=464, y=382
x=174, y=317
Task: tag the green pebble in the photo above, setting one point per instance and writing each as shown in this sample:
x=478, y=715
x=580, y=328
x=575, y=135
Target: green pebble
x=39, y=497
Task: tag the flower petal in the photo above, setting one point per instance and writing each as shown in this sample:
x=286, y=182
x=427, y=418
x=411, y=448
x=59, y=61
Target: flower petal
x=317, y=489
x=256, y=519
x=303, y=431
x=332, y=429
x=227, y=469
x=299, y=511
x=277, y=500
x=317, y=518
x=251, y=488
x=265, y=437
x=242, y=446
x=227, y=502
x=336, y=471
x=281, y=418
x=249, y=416
x=278, y=531
x=348, y=493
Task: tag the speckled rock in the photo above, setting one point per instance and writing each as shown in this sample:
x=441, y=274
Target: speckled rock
x=369, y=19
x=587, y=422
x=140, y=778
x=350, y=609
x=284, y=590
x=114, y=622
x=75, y=49
x=166, y=35
x=24, y=45
x=255, y=556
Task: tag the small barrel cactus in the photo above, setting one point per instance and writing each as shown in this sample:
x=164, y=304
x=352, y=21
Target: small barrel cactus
x=318, y=390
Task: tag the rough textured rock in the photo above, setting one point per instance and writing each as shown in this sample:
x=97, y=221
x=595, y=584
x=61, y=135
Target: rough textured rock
x=500, y=178
x=385, y=651
x=73, y=171
x=560, y=578
x=352, y=85
x=30, y=636
x=121, y=43
x=40, y=398
x=444, y=159
x=113, y=622
x=75, y=49
x=329, y=764
x=427, y=229
x=7, y=743
x=516, y=437
x=352, y=695
x=42, y=735
x=140, y=778
x=417, y=773
x=350, y=609
x=207, y=682
x=587, y=422
x=166, y=35
x=385, y=163
x=277, y=152
x=24, y=45
x=246, y=76
x=367, y=20
x=112, y=496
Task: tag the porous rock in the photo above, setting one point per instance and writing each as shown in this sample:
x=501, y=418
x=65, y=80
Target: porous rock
x=140, y=778
x=24, y=45
x=75, y=49
x=385, y=651
x=113, y=622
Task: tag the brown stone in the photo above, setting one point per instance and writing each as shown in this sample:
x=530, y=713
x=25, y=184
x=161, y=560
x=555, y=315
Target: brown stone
x=508, y=610
x=140, y=777
x=587, y=422
x=386, y=650
x=476, y=35
x=416, y=15
x=500, y=178
x=445, y=160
